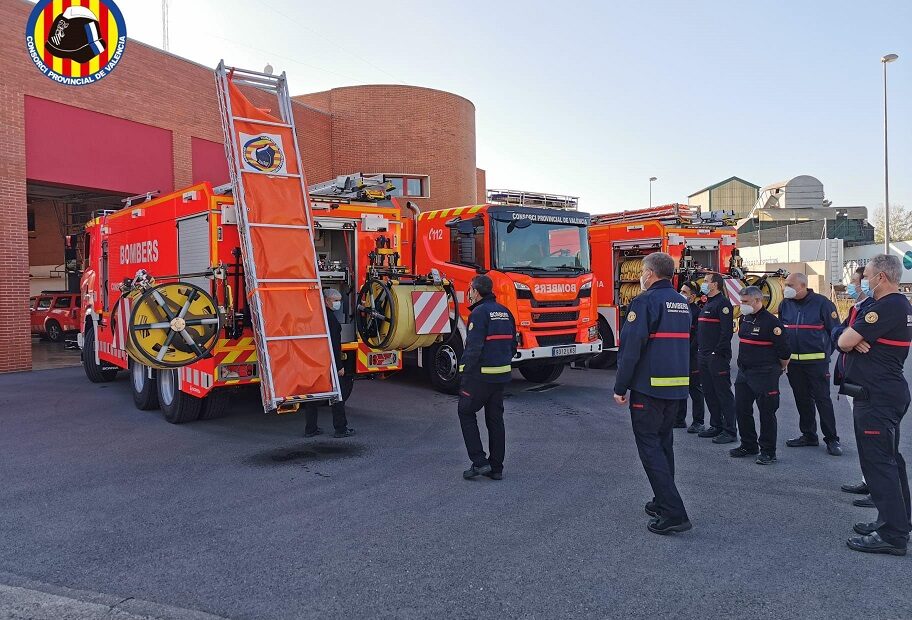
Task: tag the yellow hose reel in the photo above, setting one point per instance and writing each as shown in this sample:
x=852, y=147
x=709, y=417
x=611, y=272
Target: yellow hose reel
x=386, y=314
x=171, y=325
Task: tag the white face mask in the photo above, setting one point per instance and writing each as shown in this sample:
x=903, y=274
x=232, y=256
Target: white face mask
x=747, y=309
x=789, y=293
x=643, y=280
x=337, y=305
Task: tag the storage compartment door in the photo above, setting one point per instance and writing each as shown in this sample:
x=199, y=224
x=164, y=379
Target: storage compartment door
x=193, y=248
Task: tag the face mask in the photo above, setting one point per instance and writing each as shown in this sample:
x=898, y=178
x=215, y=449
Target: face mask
x=852, y=291
x=789, y=292
x=747, y=309
x=704, y=288
x=866, y=287
x=643, y=279
x=337, y=305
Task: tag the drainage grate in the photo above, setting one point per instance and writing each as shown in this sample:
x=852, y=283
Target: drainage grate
x=543, y=388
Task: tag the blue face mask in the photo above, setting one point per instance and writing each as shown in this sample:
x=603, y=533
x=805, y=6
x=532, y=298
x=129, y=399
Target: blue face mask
x=866, y=287
x=704, y=288
x=852, y=291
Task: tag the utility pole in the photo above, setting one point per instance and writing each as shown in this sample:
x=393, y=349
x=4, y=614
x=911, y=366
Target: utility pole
x=885, y=60
x=165, y=42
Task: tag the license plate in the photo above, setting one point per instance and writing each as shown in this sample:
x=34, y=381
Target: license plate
x=559, y=351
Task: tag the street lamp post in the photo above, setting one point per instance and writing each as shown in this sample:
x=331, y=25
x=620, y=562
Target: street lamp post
x=886, y=59
x=651, y=179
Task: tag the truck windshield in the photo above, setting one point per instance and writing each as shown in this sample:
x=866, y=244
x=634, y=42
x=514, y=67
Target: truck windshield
x=540, y=247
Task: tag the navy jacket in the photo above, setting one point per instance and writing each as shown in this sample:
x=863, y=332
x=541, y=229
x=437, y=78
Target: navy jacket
x=654, y=357
x=809, y=324
x=715, y=327
x=858, y=308
x=763, y=343
x=695, y=311
x=490, y=343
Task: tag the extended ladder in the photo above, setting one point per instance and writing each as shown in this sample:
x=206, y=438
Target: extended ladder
x=296, y=358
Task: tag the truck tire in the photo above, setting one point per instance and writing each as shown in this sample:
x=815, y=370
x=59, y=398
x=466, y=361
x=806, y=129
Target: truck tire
x=53, y=330
x=605, y=359
x=215, y=405
x=542, y=373
x=442, y=362
x=96, y=373
x=145, y=394
x=178, y=407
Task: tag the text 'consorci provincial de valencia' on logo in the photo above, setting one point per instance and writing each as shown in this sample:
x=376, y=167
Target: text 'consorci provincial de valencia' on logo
x=76, y=42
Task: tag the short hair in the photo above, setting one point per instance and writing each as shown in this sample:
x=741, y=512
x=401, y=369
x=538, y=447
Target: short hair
x=715, y=278
x=860, y=271
x=331, y=293
x=889, y=265
x=691, y=285
x=752, y=292
x=483, y=284
x=800, y=277
x=661, y=264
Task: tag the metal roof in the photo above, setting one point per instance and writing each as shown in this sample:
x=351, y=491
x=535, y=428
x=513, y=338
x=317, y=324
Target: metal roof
x=715, y=185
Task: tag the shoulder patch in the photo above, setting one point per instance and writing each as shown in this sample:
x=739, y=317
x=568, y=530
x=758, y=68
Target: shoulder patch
x=471, y=325
x=777, y=331
x=631, y=316
x=871, y=317
x=834, y=314
x=725, y=310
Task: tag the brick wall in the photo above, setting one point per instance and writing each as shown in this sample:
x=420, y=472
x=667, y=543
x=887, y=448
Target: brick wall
x=391, y=128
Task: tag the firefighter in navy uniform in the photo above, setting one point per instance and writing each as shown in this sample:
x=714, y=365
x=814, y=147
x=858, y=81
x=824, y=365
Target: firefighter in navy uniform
x=809, y=319
x=486, y=367
x=689, y=291
x=715, y=328
x=763, y=355
x=654, y=365
x=877, y=345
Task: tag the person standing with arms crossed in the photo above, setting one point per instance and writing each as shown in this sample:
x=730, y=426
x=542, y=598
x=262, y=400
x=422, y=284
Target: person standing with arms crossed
x=862, y=301
x=877, y=345
x=486, y=366
x=654, y=366
x=715, y=328
x=809, y=319
x=763, y=355
x=689, y=292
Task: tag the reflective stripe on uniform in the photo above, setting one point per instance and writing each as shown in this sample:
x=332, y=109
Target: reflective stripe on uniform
x=809, y=356
x=705, y=320
x=669, y=381
x=500, y=337
x=461, y=367
x=894, y=343
x=762, y=343
x=670, y=335
x=803, y=326
x=495, y=370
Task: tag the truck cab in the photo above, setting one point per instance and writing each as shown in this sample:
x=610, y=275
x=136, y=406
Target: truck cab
x=535, y=248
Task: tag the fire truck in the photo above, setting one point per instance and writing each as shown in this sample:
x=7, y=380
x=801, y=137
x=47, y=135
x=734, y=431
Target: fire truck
x=535, y=249
x=700, y=243
x=205, y=290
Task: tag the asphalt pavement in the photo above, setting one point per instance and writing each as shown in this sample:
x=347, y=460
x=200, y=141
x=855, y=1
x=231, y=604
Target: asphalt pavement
x=104, y=505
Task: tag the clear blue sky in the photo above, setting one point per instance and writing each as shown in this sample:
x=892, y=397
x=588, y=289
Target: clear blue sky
x=593, y=98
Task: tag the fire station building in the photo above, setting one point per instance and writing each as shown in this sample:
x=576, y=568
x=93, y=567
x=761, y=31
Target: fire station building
x=153, y=124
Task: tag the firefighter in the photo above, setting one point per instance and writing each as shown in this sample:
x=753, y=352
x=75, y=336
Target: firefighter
x=689, y=292
x=763, y=355
x=654, y=365
x=486, y=367
x=715, y=328
x=862, y=301
x=809, y=319
x=877, y=345
x=333, y=300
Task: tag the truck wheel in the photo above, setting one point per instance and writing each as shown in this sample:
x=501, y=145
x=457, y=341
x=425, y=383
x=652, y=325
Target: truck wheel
x=543, y=373
x=54, y=331
x=145, y=394
x=96, y=373
x=215, y=405
x=442, y=363
x=177, y=407
x=605, y=359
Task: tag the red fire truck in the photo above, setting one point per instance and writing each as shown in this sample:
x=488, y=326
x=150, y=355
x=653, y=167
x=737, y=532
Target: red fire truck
x=193, y=232
x=535, y=248
x=700, y=243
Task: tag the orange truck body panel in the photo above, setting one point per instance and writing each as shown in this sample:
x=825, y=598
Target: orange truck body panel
x=710, y=246
x=146, y=236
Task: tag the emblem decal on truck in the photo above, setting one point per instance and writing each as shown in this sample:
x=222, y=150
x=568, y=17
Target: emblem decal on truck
x=263, y=152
